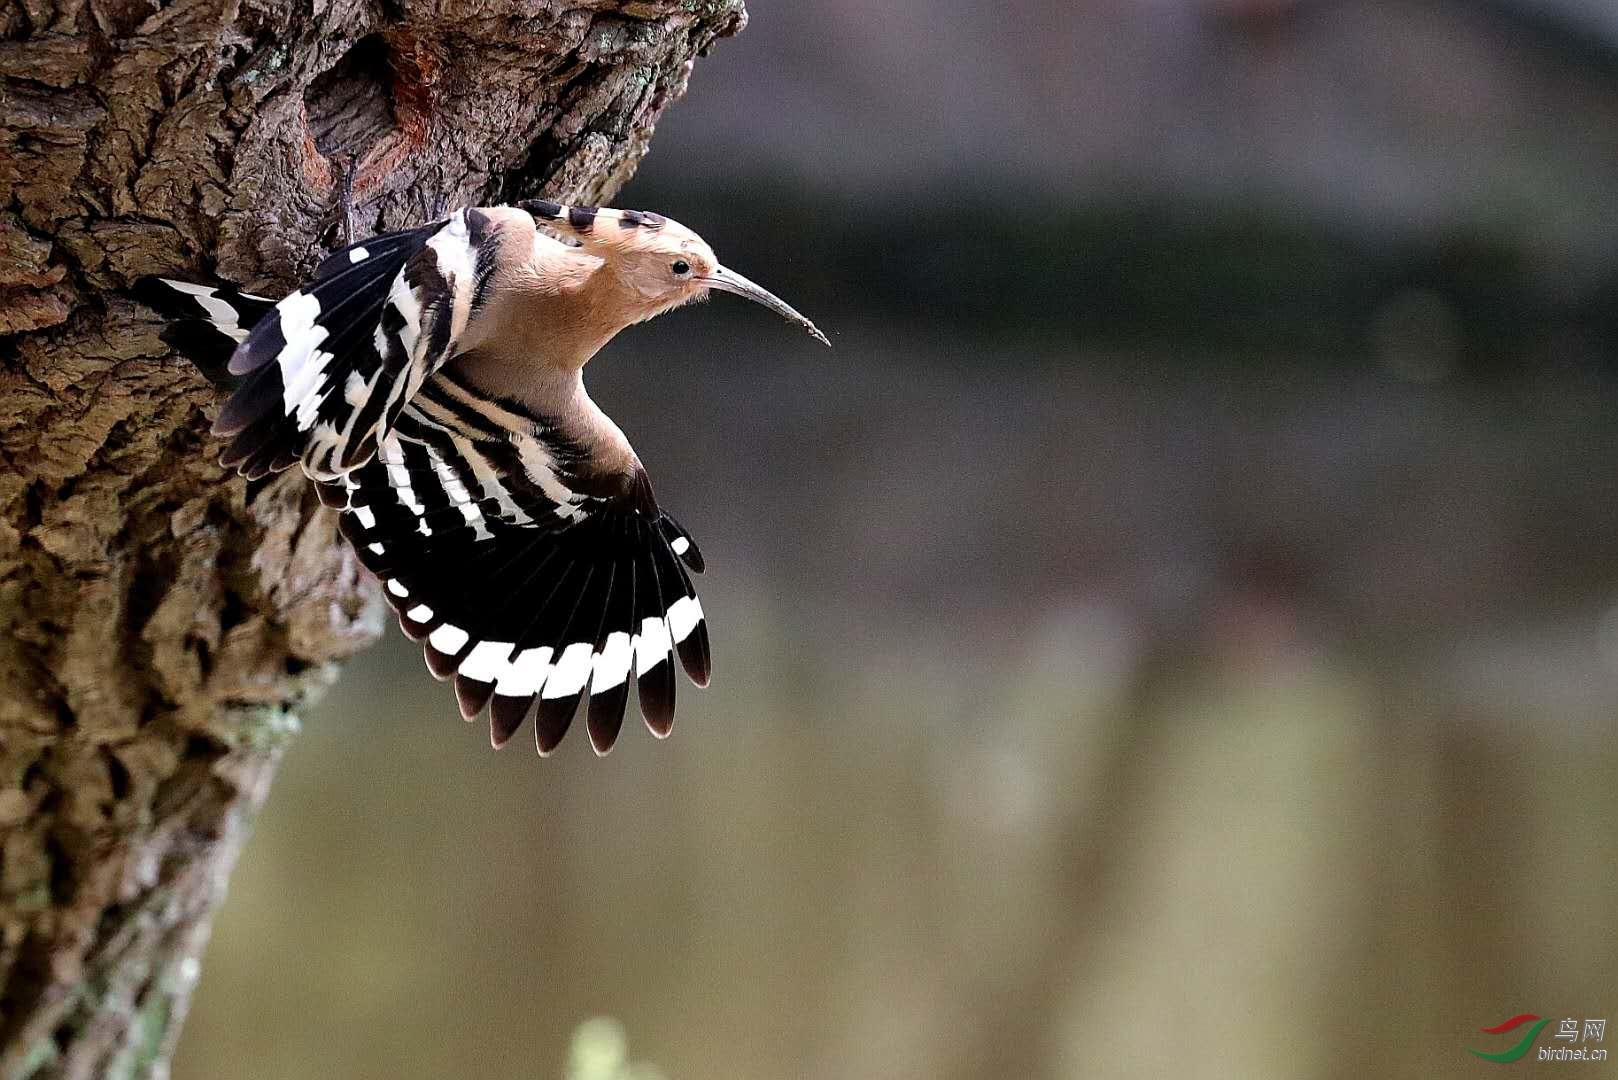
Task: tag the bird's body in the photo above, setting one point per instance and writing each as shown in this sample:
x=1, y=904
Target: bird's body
x=431, y=383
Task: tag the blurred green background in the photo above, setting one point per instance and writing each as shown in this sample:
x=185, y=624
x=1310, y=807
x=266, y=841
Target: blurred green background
x=1173, y=633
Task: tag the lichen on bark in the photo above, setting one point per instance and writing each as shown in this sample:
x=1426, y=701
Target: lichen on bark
x=159, y=629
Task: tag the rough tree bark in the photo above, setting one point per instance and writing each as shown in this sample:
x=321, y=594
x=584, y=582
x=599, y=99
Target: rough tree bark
x=158, y=629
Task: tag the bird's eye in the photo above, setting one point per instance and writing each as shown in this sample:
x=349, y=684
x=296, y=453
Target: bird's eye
x=681, y=268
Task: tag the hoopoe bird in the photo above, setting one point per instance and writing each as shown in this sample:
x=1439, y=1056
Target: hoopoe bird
x=430, y=383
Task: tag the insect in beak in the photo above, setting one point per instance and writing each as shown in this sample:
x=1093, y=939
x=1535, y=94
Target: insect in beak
x=727, y=280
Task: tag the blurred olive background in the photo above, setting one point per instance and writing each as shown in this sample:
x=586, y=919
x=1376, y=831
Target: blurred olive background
x=1173, y=632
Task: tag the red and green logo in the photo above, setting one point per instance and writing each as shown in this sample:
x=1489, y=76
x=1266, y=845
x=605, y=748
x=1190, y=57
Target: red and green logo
x=1525, y=1044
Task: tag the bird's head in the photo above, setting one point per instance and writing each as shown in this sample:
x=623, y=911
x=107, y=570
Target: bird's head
x=661, y=263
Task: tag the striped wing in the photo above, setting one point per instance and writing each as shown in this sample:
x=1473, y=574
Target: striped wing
x=529, y=581
x=206, y=322
x=327, y=370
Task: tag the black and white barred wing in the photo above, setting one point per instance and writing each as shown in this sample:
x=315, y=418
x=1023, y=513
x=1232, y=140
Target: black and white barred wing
x=326, y=371
x=527, y=591
x=206, y=322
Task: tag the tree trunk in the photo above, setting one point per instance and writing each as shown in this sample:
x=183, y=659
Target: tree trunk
x=158, y=627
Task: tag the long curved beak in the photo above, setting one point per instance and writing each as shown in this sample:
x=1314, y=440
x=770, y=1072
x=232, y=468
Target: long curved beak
x=727, y=280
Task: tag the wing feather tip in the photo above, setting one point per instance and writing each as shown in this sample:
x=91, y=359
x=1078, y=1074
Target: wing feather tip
x=415, y=631
x=471, y=695
x=552, y=720
x=656, y=688
x=605, y=718
x=439, y=662
x=506, y=714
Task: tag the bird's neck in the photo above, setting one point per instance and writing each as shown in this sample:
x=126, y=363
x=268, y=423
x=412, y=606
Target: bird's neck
x=534, y=341
x=567, y=311
x=529, y=346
